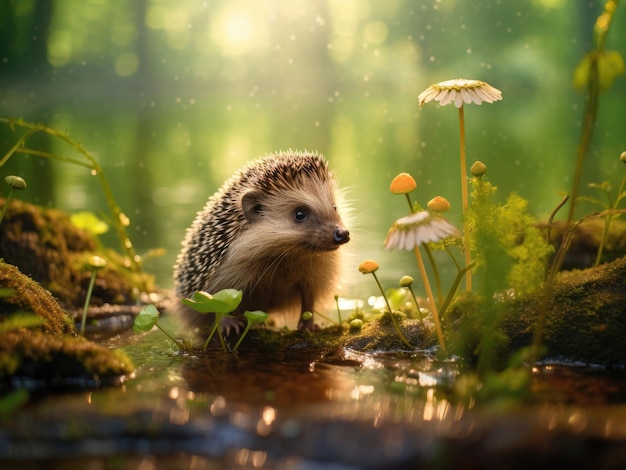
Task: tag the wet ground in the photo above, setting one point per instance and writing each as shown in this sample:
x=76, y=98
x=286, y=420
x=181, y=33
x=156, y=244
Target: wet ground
x=297, y=409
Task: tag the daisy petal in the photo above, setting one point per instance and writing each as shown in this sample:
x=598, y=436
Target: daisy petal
x=458, y=99
x=465, y=94
x=444, y=97
x=475, y=97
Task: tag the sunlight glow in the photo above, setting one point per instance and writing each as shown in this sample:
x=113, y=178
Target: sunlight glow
x=236, y=31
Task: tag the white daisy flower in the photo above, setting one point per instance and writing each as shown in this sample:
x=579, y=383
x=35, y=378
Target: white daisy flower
x=416, y=229
x=459, y=91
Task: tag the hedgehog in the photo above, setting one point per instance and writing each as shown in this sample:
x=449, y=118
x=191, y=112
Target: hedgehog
x=272, y=231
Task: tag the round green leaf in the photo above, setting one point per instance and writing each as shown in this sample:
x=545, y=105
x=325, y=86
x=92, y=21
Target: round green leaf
x=146, y=319
x=256, y=316
x=90, y=222
x=203, y=302
x=230, y=297
x=224, y=301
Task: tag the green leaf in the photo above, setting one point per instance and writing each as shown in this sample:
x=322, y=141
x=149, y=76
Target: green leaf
x=224, y=301
x=146, y=319
x=256, y=316
x=89, y=221
x=200, y=302
x=232, y=297
x=610, y=64
x=581, y=73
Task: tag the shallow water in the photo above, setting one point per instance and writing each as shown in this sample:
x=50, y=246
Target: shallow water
x=302, y=409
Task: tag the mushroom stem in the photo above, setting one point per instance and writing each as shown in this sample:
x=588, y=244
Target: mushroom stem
x=408, y=200
x=393, y=319
x=430, y=258
x=466, y=244
x=431, y=299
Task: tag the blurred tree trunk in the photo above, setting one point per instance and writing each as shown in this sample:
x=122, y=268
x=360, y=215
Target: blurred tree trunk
x=23, y=68
x=23, y=38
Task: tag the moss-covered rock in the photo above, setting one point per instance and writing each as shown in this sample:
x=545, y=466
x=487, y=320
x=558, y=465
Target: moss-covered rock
x=585, y=316
x=50, y=355
x=27, y=295
x=43, y=274
x=45, y=245
x=35, y=359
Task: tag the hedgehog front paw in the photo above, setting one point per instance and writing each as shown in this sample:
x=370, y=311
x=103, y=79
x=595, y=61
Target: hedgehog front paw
x=230, y=325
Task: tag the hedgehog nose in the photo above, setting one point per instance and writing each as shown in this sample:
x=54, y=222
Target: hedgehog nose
x=341, y=236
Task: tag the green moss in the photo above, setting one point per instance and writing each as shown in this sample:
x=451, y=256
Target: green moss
x=45, y=245
x=510, y=251
x=31, y=296
x=46, y=360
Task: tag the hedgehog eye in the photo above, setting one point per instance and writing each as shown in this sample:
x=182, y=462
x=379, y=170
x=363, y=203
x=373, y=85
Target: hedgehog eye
x=300, y=215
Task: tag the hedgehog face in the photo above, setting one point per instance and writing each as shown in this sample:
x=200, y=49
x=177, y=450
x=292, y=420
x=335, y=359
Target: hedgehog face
x=297, y=219
x=319, y=232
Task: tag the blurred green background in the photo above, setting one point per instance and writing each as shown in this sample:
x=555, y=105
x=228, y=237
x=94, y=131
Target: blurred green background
x=172, y=97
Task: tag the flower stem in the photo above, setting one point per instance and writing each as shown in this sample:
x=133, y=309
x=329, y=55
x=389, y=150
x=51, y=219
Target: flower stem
x=431, y=299
x=452, y=292
x=393, y=319
x=607, y=223
x=213, y=330
x=466, y=245
x=243, y=335
x=338, y=309
x=433, y=265
x=430, y=258
x=220, y=335
x=83, y=320
x=180, y=345
x=417, y=305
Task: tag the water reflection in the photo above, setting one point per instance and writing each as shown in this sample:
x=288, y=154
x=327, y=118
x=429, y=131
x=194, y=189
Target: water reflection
x=268, y=378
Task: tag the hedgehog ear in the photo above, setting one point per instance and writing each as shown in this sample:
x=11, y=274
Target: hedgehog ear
x=251, y=205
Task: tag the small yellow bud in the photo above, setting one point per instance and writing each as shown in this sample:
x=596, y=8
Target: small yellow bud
x=438, y=204
x=368, y=266
x=406, y=281
x=402, y=184
x=622, y=156
x=478, y=169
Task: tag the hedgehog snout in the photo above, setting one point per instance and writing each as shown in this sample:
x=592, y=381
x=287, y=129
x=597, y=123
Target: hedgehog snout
x=341, y=236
